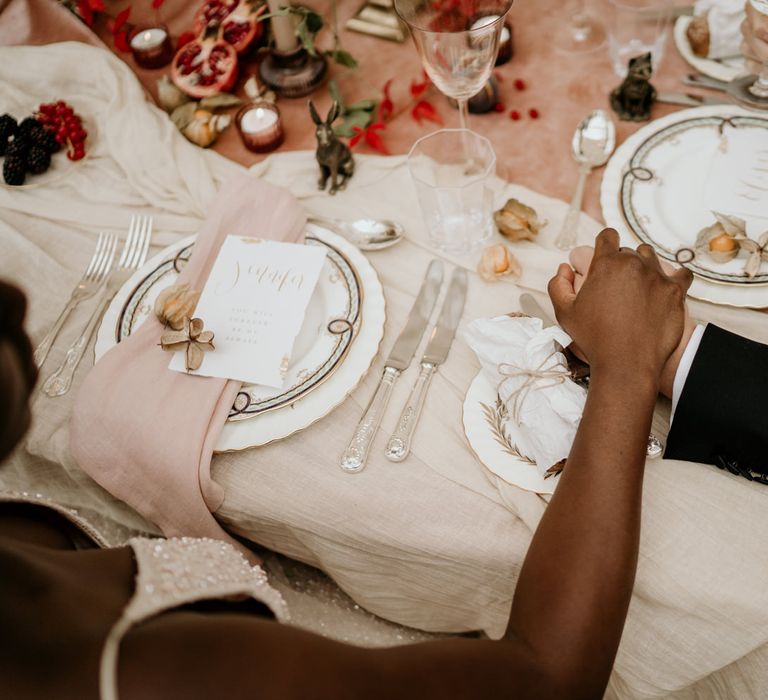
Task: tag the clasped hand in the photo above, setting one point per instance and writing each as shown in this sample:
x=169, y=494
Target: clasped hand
x=624, y=312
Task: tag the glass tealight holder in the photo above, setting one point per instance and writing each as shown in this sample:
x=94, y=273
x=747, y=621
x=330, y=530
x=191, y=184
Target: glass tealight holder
x=259, y=126
x=151, y=45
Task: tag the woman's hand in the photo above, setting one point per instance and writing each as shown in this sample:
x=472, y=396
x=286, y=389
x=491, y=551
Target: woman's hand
x=624, y=312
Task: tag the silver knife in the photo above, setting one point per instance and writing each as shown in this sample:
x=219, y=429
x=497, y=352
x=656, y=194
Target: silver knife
x=354, y=457
x=529, y=305
x=399, y=444
x=689, y=99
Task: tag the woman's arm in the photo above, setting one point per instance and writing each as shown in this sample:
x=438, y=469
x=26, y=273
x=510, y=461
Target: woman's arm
x=574, y=588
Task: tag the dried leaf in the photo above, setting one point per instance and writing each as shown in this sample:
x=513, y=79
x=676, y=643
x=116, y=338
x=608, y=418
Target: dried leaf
x=342, y=57
x=374, y=139
x=183, y=115
x=517, y=221
x=424, y=110
x=352, y=120
x=121, y=41
x=221, y=100
x=733, y=225
x=753, y=264
x=121, y=19
x=194, y=357
x=418, y=89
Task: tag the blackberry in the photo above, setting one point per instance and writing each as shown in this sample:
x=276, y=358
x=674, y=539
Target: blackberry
x=38, y=160
x=8, y=128
x=14, y=170
x=30, y=128
x=47, y=141
x=19, y=146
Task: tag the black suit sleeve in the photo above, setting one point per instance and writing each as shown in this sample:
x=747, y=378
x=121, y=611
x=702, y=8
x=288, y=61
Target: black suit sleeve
x=722, y=415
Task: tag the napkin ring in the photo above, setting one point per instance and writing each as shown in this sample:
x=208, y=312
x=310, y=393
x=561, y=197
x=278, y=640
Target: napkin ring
x=192, y=339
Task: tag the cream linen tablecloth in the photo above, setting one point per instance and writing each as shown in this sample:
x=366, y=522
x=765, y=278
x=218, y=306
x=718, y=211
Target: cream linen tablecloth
x=437, y=541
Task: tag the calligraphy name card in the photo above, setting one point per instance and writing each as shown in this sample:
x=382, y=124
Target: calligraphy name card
x=254, y=302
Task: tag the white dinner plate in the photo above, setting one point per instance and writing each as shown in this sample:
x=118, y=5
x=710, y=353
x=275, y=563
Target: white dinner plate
x=338, y=341
x=492, y=439
x=651, y=192
x=714, y=69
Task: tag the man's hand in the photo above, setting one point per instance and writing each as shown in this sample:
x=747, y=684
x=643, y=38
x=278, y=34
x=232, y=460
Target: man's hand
x=755, y=32
x=628, y=314
x=581, y=259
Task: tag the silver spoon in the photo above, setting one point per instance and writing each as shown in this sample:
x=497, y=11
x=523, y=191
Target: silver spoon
x=592, y=144
x=366, y=234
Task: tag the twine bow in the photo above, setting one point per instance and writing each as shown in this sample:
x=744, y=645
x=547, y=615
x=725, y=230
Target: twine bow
x=192, y=339
x=533, y=378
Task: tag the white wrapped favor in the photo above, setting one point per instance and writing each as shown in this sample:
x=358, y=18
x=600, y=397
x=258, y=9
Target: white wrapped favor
x=524, y=361
x=724, y=18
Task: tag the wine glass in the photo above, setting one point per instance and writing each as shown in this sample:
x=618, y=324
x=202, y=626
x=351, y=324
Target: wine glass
x=458, y=41
x=581, y=33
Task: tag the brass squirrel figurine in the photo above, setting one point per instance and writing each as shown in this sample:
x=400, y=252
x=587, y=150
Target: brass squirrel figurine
x=633, y=99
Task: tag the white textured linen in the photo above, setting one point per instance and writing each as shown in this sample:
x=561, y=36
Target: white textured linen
x=436, y=541
x=545, y=410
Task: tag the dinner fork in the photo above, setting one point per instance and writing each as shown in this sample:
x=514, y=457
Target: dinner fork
x=133, y=255
x=90, y=283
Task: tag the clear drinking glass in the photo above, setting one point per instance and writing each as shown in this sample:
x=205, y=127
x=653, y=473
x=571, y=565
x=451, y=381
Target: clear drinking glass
x=581, y=33
x=457, y=203
x=636, y=27
x=458, y=50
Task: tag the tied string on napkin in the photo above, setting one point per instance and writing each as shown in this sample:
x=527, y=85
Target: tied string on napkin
x=533, y=380
x=146, y=433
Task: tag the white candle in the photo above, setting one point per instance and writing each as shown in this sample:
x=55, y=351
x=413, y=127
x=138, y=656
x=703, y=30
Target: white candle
x=149, y=39
x=257, y=120
x=283, y=27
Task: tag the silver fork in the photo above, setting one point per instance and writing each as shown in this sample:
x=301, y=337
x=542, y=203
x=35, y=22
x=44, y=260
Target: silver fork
x=89, y=284
x=133, y=255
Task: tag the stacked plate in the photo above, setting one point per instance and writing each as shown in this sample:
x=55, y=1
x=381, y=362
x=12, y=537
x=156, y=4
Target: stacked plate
x=654, y=191
x=338, y=341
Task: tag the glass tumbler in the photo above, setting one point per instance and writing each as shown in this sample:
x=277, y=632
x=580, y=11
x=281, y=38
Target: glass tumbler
x=454, y=192
x=636, y=27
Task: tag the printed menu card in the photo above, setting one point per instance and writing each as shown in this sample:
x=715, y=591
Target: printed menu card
x=254, y=301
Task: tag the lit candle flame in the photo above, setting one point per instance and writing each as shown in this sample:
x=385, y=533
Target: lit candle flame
x=147, y=36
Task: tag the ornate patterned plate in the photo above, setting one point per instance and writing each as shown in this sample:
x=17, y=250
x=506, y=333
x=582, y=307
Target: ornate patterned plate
x=346, y=314
x=714, y=69
x=652, y=191
x=491, y=439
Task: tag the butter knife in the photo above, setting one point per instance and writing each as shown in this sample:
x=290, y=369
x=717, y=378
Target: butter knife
x=689, y=99
x=532, y=307
x=399, y=444
x=354, y=457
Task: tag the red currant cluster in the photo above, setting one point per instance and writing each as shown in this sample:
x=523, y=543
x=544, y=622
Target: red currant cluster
x=60, y=119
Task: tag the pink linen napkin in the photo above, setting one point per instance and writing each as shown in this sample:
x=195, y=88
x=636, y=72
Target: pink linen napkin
x=146, y=433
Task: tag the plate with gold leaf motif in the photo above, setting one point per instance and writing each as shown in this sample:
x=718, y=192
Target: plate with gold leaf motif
x=340, y=336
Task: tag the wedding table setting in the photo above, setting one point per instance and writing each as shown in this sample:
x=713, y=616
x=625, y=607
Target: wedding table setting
x=251, y=356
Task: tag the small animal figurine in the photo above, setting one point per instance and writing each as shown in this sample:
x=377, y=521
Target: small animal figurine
x=633, y=99
x=333, y=156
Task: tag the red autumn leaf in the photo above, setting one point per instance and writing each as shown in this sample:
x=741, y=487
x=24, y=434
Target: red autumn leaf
x=185, y=38
x=85, y=12
x=356, y=138
x=96, y=5
x=157, y=4
x=424, y=110
x=374, y=140
x=121, y=19
x=121, y=41
x=417, y=89
x=386, y=106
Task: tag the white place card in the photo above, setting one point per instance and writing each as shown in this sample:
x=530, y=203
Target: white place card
x=737, y=183
x=254, y=301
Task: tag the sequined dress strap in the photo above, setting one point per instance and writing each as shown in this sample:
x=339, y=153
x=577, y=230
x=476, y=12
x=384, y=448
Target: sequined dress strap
x=178, y=571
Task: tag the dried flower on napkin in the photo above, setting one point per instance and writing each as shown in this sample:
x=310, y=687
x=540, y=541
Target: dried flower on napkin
x=205, y=127
x=517, y=221
x=496, y=261
x=758, y=252
x=175, y=303
x=524, y=361
x=721, y=241
x=191, y=338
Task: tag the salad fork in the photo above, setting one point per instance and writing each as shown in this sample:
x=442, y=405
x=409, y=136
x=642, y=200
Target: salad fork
x=133, y=255
x=90, y=283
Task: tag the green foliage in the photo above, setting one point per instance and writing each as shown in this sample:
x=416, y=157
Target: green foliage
x=360, y=114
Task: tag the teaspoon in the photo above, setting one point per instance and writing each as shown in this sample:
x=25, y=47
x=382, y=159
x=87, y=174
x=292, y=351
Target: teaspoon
x=366, y=234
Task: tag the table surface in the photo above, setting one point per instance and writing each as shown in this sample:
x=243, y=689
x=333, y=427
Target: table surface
x=437, y=541
x=535, y=153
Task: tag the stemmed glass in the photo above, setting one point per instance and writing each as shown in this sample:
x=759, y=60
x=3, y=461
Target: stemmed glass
x=581, y=33
x=457, y=41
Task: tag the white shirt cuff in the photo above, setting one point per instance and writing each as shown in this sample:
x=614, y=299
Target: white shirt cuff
x=686, y=361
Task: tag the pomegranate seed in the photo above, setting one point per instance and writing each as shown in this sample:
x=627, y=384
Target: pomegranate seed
x=514, y=115
x=533, y=113
x=499, y=107
x=519, y=84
